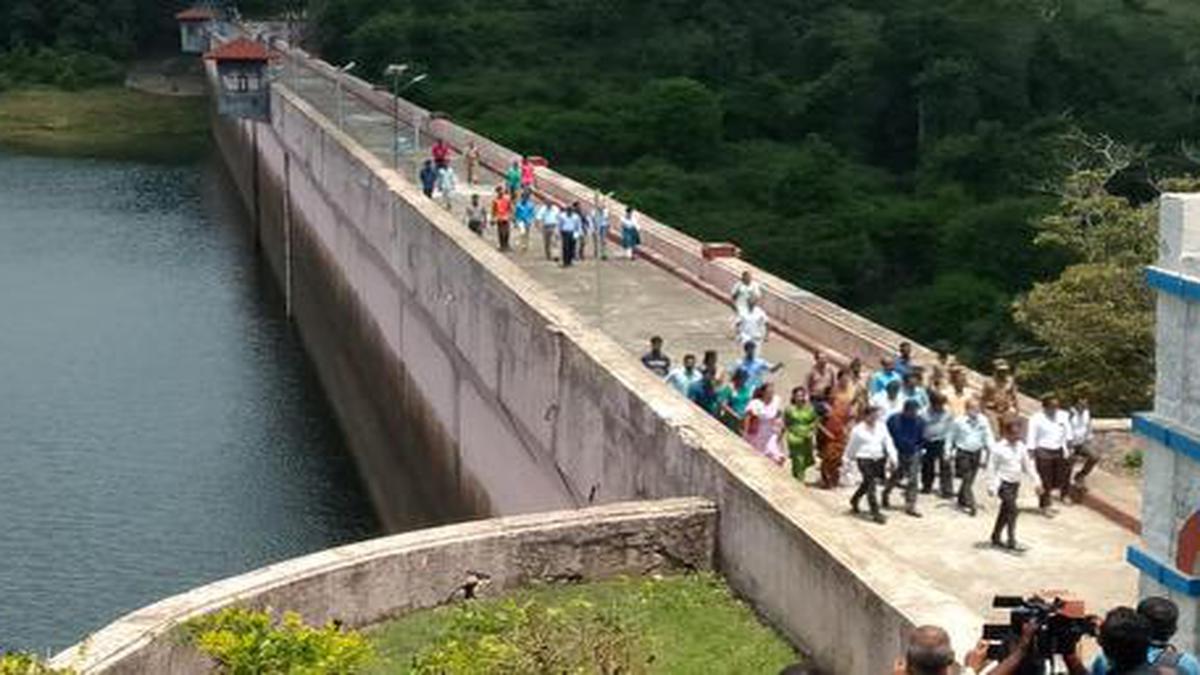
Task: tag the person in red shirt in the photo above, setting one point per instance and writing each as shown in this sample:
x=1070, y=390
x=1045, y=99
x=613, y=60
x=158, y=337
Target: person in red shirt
x=502, y=208
x=527, y=169
x=441, y=153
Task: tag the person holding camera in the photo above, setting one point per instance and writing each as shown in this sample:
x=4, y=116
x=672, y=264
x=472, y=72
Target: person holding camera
x=1124, y=638
x=1163, y=617
x=1008, y=461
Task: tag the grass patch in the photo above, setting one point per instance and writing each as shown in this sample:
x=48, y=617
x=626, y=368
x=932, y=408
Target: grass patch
x=680, y=624
x=104, y=122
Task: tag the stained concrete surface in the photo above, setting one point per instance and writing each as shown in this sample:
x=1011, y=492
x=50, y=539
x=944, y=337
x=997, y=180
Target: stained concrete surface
x=1078, y=550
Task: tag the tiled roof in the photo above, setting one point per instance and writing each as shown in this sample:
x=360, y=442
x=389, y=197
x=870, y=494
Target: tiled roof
x=241, y=49
x=196, y=14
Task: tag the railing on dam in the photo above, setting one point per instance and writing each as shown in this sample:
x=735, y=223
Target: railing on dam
x=799, y=315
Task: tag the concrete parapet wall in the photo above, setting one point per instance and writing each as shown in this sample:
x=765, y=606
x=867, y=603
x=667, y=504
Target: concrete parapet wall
x=368, y=582
x=446, y=361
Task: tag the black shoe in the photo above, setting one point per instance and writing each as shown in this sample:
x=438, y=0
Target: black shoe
x=878, y=517
x=854, y=507
x=1013, y=546
x=912, y=511
x=996, y=542
x=971, y=511
x=926, y=491
x=887, y=504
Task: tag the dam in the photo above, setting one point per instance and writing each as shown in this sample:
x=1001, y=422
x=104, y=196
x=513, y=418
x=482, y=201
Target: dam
x=499, y=384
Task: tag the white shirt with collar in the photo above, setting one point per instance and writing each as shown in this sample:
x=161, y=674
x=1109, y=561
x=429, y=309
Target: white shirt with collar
x=887, y=406
x=1046, y=433
x=1081, y=426
x=1008, y=462
x=870, y=441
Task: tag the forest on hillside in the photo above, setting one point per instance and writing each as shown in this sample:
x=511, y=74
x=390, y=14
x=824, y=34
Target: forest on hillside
x=895, y=156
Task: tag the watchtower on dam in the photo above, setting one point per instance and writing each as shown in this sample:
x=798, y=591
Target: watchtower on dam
x=509, y=386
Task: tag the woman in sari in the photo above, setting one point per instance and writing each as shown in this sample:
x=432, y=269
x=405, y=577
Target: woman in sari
x=800, y=421
x=831, y=436
x=763, y=422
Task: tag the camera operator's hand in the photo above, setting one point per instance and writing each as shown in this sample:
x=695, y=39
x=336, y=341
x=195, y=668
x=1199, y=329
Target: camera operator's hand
x=1024, y=645
x=977, y=658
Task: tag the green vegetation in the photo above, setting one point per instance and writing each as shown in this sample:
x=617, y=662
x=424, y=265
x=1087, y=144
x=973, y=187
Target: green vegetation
x=897, y=156
x=108, y=122
x=17, y=663
x=685, y=624
x=248, y=642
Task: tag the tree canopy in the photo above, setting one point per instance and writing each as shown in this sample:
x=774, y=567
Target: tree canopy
x=894, y=155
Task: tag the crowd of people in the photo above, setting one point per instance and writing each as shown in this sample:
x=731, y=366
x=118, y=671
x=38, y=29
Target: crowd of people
x=566, y=230
x=906, y=428
x=1133, y=641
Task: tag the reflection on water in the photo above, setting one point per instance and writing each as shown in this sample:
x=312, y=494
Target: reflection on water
x=159, y=425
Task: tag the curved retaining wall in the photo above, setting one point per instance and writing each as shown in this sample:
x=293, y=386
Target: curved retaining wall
x=444, y=360
x=368, y=582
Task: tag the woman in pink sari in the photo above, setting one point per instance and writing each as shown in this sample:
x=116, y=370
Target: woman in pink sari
x=764, y=422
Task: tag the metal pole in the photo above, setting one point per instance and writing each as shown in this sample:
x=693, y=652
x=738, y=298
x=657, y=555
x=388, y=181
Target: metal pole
x=337, y=83
x=416, y=132
x=396, y=121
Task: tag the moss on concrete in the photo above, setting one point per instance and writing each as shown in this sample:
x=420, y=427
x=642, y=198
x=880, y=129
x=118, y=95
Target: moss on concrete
x=682, y=624
x=105, y=122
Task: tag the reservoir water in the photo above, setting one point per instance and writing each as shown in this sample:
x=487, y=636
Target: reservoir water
x=160, y=426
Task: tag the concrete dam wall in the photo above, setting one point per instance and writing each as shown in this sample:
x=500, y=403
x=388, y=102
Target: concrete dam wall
x=445, y=361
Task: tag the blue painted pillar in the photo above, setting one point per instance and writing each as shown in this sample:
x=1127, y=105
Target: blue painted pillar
x=1168, y=553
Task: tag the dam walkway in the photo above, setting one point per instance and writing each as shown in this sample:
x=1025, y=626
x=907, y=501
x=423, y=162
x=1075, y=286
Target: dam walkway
x=1076, y=550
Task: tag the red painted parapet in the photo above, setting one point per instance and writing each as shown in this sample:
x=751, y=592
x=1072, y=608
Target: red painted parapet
x=719, y=249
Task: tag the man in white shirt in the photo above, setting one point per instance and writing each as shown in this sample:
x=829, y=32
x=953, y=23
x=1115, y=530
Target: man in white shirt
x=1049, y=438
x=743, y=291
x=870, y=447
x=549, y=215
x=1081, y=440
x=751, y=324
x=889, y=401
x=1008, y=461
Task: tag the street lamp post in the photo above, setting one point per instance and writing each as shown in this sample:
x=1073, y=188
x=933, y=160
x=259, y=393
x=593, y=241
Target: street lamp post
x=395, y=71
x=341, y=114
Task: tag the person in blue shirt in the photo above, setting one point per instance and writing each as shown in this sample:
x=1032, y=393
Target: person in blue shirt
x=752, y=367
x=523, y=215
x=882, y=377
x=904, y=362
x=1163, y=616
x=908, y=435
x=428, y=178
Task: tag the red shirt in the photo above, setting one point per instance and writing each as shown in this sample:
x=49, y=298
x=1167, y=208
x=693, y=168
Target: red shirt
x=501, y=208
x=441, y=151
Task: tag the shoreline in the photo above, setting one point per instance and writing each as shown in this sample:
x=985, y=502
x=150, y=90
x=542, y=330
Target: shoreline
x=107, y=122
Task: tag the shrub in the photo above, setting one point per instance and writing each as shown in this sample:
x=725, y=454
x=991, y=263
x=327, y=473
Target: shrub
x=244, y=641
x=20, y=663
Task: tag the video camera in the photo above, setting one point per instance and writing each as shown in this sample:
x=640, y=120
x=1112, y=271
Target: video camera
x=1059, y=625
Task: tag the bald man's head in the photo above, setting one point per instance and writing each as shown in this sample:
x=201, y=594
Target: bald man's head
x=929, y=652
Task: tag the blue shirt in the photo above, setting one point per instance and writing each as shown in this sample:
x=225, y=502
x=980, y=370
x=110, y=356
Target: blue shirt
x=705, y=395
x=1188, y=665
x=754, y=369
x=903, y=367
x=881, y=379
x=907, y=433
x=919, y=395
x=524, y=211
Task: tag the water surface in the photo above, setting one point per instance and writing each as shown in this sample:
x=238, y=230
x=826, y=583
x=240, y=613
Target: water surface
x=159, y=424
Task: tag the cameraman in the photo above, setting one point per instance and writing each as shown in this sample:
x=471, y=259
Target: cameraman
x=1124, y=638
x=1163, y=616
